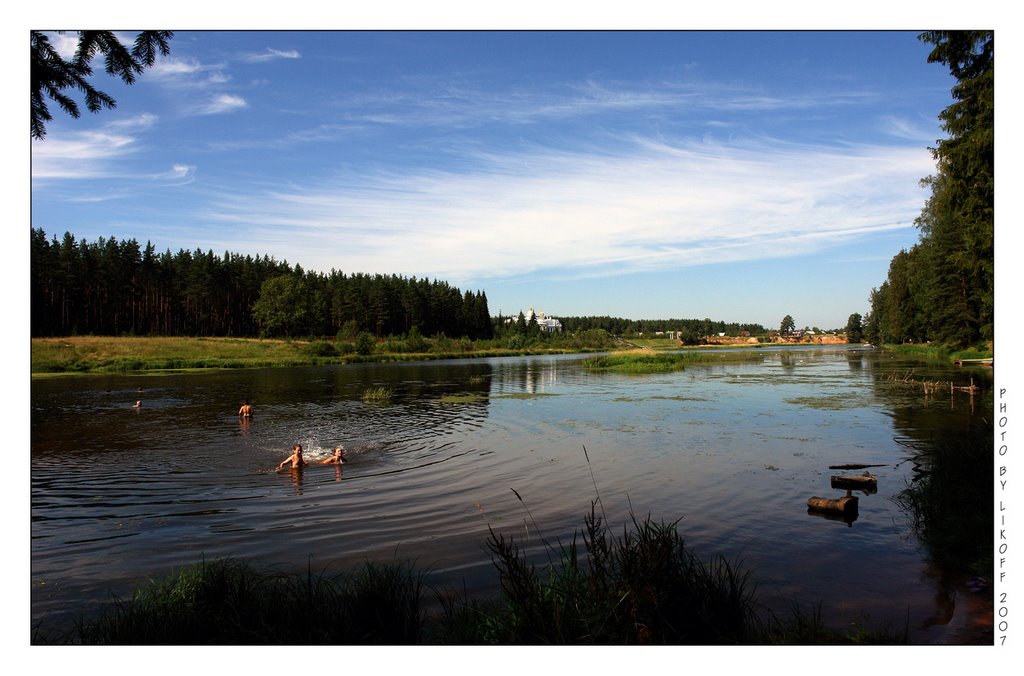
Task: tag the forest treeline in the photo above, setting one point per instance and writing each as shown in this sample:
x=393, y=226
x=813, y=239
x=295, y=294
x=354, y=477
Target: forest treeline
x=691, y=330
x=118, y=287
x=942, y=289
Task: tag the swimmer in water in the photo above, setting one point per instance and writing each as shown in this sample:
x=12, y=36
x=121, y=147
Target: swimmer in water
x=246, y=410
x=337, y=459
x=296, y=459
x=138, y=404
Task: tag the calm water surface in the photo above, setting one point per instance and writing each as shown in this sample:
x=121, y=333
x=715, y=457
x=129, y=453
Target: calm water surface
x=120, y=495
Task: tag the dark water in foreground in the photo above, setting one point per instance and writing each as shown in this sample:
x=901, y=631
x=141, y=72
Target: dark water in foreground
x=733, y=450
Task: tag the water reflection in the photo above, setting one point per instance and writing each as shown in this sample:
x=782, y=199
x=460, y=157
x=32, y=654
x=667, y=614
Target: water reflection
x=429, y=473
x=295, y=478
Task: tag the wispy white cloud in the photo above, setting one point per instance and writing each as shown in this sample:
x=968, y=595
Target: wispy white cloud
x=137, y=123
x=183, y=75
x=426, y=102
x=74, y=154
x=911, y=130
x=172, y=67
x=658, y=206
x=79, y=155
x=102, y=153
x=222, y=103
x=178, y=174
x=270, y=54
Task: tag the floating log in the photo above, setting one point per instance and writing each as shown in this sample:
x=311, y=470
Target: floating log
x=865, y=481
x=845, y=506
x=853, y=465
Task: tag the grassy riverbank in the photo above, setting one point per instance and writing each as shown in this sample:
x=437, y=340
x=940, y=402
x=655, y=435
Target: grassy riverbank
x=112, y=354
x=107, y=354
x=645, y=587
x=940, y=353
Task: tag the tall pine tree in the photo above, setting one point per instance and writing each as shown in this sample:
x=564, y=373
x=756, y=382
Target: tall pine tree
x=944, y=288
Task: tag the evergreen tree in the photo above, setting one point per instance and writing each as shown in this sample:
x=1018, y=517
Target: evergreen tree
x=52, y=75
x=943, y=289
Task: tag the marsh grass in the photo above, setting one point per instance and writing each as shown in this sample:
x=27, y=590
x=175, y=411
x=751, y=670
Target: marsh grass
x=463, y=398
x=228, y=601
x=644, y=587
x=649, y=361
x=378, y=395
x=637, y=361
x=836, y=402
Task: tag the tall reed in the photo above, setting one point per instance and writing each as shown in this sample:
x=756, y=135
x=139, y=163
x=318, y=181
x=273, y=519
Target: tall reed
x=644, y=587
x=378, y=395
x=227, y=601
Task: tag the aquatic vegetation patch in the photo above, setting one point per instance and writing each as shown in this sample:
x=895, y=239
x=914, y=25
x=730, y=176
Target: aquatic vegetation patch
x=639, y=361
x=378, y=395
x=465, y=398
x=649, y=361
x=828, y=403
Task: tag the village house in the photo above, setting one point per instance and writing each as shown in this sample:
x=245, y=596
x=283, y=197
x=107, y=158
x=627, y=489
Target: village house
x=545, y=323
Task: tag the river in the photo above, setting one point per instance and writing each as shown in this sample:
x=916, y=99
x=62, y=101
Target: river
x=120, y=494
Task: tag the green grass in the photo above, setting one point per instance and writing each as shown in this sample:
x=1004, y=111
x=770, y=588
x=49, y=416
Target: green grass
x=97, y=354
x=649, y=361
x=109, y=354
x=940, y=353
x=637, y=361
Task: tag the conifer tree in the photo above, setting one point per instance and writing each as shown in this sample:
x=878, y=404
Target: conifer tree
x=54, y=77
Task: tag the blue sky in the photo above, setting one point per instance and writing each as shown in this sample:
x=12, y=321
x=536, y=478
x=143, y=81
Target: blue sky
x=736, y=175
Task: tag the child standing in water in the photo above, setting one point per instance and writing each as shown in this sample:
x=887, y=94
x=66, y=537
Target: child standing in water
x=246, y=410
x=296, y=459
x=337, y=458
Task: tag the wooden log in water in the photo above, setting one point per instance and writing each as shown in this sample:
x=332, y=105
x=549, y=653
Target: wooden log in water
x=865, y=480
x=846, y=505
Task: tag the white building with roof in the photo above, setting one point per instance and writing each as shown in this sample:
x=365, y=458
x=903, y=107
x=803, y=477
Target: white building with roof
x=545, y=323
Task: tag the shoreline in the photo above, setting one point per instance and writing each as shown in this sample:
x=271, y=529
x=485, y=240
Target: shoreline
x=99, y=355
x=158, y=355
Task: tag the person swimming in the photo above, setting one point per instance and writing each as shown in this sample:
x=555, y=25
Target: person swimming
x=246, y=410
x=296, y=459
x=337, y=459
